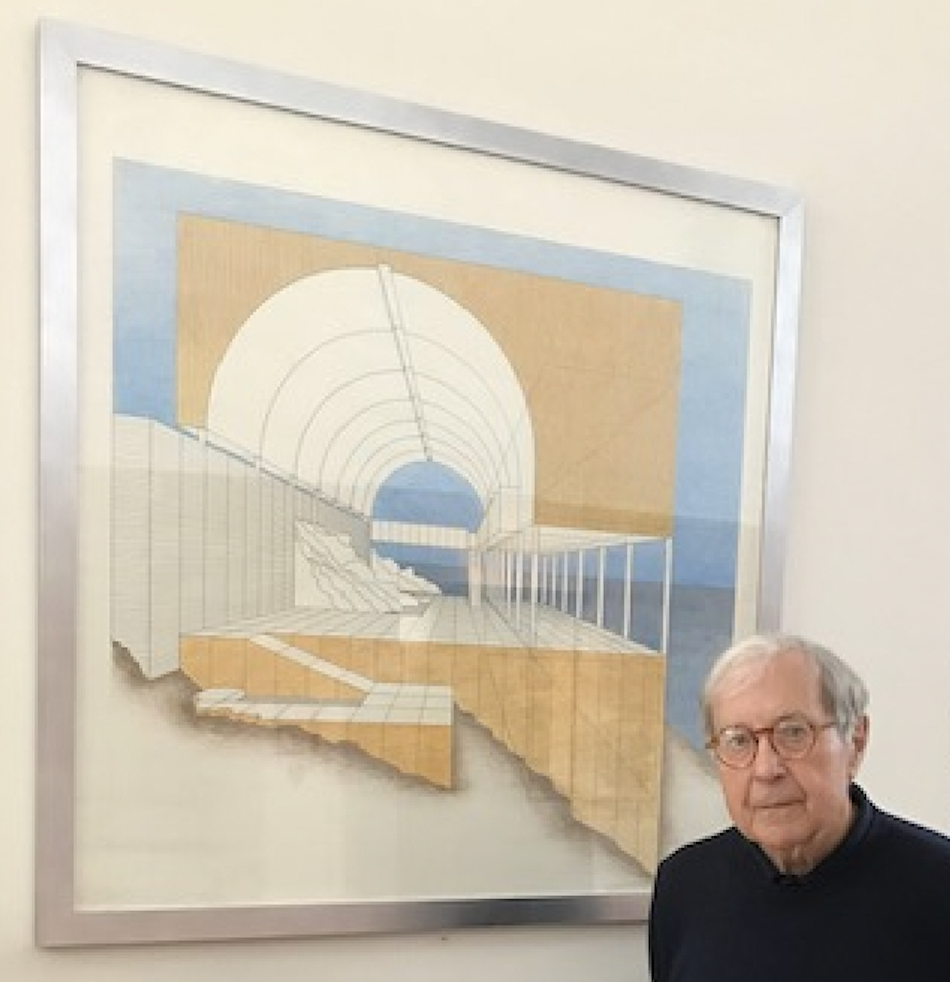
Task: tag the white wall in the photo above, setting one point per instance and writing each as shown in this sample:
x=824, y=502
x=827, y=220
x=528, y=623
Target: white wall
x=847, y=102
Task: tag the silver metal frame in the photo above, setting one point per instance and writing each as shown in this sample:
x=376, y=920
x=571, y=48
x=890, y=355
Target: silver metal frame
x=65, y=50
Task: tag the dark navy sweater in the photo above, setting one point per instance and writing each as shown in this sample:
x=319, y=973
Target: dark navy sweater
x=876, y=910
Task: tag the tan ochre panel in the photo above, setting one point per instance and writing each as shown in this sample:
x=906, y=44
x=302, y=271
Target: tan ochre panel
x=599, y=368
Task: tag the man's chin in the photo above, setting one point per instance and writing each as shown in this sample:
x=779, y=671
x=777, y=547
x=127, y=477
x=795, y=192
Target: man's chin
x=778, y=828
x=777, y=814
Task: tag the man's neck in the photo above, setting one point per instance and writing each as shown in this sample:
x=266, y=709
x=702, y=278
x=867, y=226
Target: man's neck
x=801, y=859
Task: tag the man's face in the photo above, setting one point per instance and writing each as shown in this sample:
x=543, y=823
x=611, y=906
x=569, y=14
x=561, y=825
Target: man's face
x=796, y=810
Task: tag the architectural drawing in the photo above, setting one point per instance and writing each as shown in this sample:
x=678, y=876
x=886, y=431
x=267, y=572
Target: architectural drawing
x=251, y=554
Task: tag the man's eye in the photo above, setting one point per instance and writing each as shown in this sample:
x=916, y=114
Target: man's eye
x=793, y=733
x=793, y=728
x=735, y=739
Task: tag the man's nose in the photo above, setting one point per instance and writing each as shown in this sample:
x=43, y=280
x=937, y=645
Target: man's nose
x=766, y=762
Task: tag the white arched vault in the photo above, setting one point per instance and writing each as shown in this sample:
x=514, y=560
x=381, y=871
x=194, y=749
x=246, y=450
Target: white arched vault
x=340, y=378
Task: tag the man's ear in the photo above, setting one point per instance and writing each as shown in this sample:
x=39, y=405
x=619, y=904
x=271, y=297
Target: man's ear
x=859, y=743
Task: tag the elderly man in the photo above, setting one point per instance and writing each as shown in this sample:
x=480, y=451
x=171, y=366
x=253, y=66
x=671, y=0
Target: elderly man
x=814, y=882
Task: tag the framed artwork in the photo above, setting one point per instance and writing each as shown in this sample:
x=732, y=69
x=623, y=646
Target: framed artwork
x=401, y=474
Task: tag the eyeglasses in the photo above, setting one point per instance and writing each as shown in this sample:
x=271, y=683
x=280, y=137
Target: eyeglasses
x=792, y=737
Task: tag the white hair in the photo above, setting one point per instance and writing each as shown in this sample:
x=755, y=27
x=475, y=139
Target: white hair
x=844, y=695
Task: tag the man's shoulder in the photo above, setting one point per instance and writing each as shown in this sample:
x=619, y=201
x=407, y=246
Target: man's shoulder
x=702, y=852
x=697, y=873
x=910, y=837
x=902, y=852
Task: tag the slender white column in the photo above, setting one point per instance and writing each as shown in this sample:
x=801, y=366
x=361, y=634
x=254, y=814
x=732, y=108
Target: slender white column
x=667, y=589
x=628, y=589
x=601, y=583
x=534, y=592
x=579, y=598
x=565, y=573
x=519, y=581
